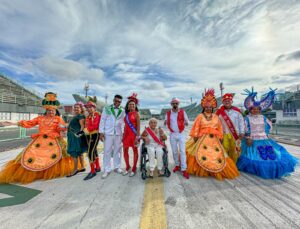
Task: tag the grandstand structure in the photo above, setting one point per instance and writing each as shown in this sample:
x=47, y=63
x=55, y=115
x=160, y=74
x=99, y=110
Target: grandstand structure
x=145, y=114
x=16, y=102
x=192, y=110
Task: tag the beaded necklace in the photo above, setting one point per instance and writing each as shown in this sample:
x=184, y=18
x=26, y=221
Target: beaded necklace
x=208, y=118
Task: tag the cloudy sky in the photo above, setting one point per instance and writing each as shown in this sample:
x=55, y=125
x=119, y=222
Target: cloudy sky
x=157, y=48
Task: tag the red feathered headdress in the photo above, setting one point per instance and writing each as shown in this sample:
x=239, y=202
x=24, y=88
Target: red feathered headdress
x=133, y=98
x=209, y=99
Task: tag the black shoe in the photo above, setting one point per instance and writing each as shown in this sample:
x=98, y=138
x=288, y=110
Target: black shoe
x=98, y=170
x=81, y=170
x=90, y=176
x=73, y=174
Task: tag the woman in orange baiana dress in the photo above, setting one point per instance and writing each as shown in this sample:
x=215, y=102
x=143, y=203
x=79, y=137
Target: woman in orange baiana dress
x=45, y=156
x=205, y=153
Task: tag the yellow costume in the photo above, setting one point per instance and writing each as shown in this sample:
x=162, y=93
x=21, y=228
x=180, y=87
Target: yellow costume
x=232, y=147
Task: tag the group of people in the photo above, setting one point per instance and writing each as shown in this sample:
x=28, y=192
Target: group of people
x=221, y=143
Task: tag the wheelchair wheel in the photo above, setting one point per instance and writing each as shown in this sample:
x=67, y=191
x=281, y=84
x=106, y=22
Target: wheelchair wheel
x=144, y=175
x=143, y=159
x=167, y=172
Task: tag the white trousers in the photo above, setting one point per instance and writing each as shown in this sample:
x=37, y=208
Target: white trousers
x=159, y=156
x=178, y=140
x=112, y=144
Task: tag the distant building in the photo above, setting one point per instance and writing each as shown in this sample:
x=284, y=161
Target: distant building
x=145, y=114
x=287, y=106
x=68, y=112
x=18, y=103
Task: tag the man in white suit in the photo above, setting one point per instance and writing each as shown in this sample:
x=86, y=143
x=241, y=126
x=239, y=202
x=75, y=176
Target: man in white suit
x=111, y=133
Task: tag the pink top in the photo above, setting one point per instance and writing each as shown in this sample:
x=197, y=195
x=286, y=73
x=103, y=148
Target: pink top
x=257, y=127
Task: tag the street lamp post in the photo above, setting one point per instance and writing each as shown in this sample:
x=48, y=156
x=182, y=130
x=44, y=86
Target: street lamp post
x=221, y=89
x=86, y=89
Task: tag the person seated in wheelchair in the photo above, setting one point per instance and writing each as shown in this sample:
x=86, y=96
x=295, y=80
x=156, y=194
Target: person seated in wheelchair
x=154, y=138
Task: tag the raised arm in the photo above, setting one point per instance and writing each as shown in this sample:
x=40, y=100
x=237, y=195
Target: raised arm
x=29, y=123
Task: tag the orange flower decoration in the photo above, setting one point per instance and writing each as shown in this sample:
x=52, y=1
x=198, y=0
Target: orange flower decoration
x=209, y=99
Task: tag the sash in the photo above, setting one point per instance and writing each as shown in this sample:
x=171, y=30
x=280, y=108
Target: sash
x=130, y=124
x=155, y=138
x=229, y=123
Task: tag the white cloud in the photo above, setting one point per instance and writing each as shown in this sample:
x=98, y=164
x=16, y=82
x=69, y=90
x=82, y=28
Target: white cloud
x=62, y=69
x=202, y=42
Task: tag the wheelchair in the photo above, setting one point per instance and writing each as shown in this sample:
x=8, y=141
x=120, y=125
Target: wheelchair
x=145, y=159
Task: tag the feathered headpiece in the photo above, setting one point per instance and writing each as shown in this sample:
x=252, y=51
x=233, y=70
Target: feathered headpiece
x=50, y=101
x=266, y=101
x=133, y=98
x=209, y=99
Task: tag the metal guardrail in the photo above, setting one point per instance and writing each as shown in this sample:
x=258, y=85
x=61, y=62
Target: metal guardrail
x=292, y=130
x=17, y=99
x=15, y=133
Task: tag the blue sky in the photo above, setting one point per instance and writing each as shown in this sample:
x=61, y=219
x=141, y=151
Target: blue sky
x=159, y=49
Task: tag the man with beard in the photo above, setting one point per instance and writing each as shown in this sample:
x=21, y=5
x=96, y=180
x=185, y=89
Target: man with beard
x=176, y=119
x=233, y=126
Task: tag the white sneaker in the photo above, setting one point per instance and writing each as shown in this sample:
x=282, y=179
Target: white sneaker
x=104, y=175
x=132, y=174
x=120, y=171
x=125, y=172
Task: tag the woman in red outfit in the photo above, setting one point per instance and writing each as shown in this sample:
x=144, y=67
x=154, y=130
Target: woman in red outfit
x=131, y=133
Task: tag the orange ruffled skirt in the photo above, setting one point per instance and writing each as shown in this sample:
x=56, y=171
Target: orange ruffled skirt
x=230, y=170
x=14, y=172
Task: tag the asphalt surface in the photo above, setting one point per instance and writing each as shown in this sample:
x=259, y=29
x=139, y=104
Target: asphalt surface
x=9, y=138
x=120, y=202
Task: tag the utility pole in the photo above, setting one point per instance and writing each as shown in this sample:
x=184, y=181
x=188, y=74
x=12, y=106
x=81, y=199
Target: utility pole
x=221, y=89
x=86, y=89
x=106, y=97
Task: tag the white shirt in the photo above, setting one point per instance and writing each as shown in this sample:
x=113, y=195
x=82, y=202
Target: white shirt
x=174, y=122
x=236, y=118
x=111, y=125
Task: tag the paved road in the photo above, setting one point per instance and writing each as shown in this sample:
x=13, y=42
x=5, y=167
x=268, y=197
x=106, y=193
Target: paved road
x=124, y=202
x=14, y=133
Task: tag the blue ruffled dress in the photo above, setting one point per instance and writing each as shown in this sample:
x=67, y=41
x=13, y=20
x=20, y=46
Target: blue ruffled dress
x=265, y=157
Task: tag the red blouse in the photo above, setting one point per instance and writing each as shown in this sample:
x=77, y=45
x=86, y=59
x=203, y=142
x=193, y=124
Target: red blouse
x=92, y=122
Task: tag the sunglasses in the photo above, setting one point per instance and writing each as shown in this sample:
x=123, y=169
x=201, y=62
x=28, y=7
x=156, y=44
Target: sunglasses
x=174, y=103
x=118, y=101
